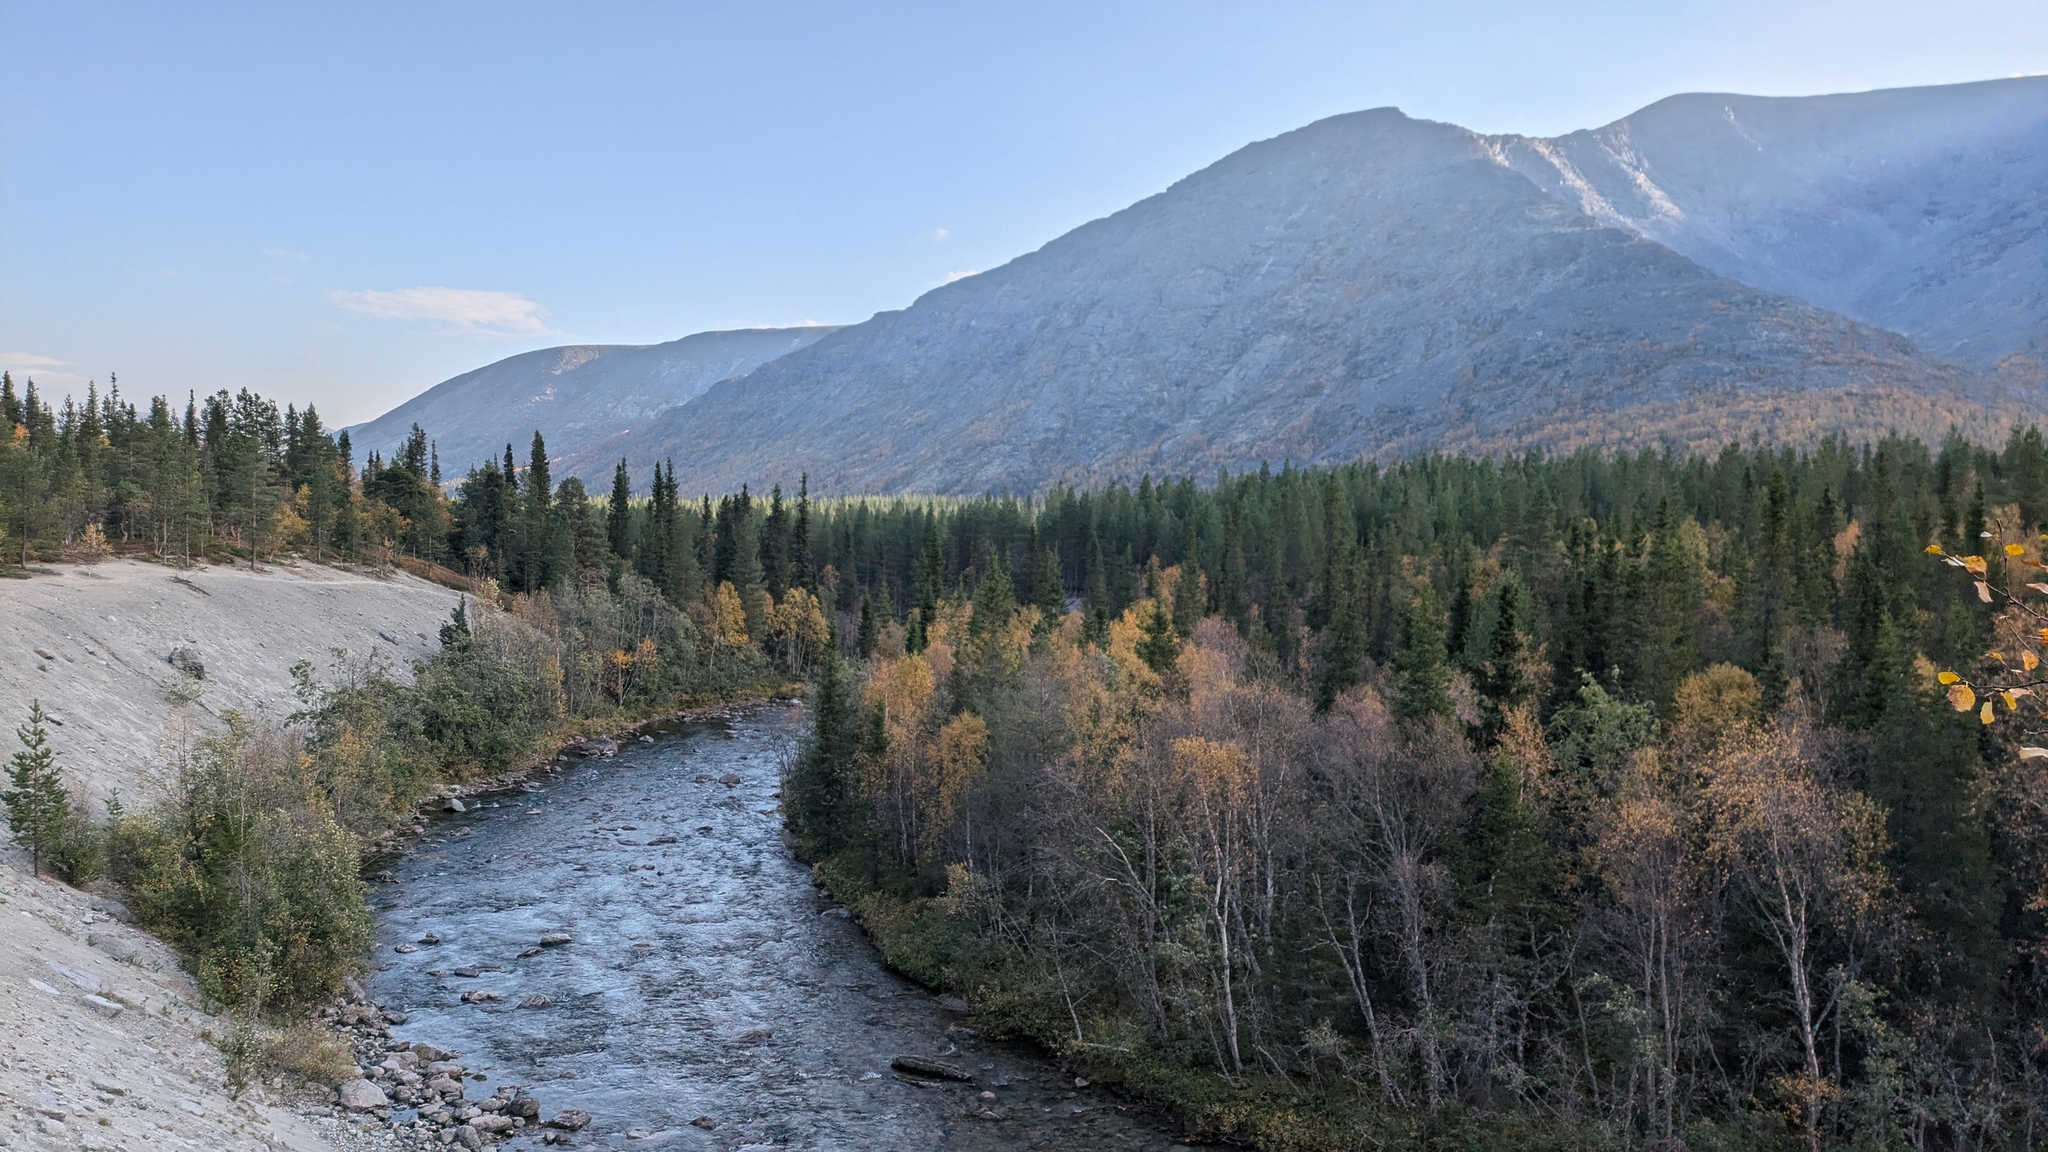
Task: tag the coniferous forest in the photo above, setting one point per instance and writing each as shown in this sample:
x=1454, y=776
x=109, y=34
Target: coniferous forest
x=1530, y=802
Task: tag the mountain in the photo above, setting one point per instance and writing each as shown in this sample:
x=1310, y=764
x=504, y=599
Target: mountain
x=1369, y=285
x=573, y=395
x=1922, y=210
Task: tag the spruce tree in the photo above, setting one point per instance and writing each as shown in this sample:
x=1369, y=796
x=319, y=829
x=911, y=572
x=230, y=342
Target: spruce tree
x=1421, y=681
x=799, y=574
x=618, y=521
x=1048, y=590
x=864, y=640
x=540, y=552
x=1159, y=647
x=994, y=602
x=1340, y=658
x=37, y=806
x=1503, y=677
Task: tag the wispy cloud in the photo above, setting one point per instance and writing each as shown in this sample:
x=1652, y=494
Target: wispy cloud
x=940, y=234
x=469, y=311
x=952, y=276
x=29, y=360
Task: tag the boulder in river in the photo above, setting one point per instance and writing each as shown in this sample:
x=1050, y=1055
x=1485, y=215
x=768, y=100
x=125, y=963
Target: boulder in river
x=927, y=1066
x=537, y=1001
x=570, y=1120
x=451, y=805
x=429, y=1053
x=554, y=939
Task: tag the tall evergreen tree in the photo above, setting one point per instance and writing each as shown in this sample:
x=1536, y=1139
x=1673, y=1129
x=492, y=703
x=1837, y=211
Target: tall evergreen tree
x=618, y=520
x=1421, y=679
x=37, y=807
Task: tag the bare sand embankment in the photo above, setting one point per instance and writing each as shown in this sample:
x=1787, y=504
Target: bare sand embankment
x=106, y=1047
x=95, y=648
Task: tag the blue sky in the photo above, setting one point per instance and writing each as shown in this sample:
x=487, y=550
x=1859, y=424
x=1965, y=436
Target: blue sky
x=346, y=203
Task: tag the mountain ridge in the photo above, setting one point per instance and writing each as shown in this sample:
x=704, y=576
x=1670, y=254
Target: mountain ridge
x=1367, y=285
x=572, y=392
x=1709, y=267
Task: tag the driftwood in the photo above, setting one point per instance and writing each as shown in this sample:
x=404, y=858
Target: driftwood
x=926, y=1066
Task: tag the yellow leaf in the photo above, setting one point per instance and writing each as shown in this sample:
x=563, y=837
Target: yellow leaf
x=1994, y=655
x=1961, y=698
x=2012, y=701
x=1934, y=550
x=1983, y=591
x=1984, y=717
x=1974, y=564
x=1947, y=677
x=2031, y=753
x=2015, y=550
x=2029, y=661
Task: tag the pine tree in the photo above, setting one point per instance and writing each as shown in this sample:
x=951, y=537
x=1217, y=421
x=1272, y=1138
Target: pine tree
x=37, y=806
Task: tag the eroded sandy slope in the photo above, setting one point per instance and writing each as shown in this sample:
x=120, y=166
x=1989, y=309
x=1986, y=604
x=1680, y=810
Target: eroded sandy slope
x=94, y=648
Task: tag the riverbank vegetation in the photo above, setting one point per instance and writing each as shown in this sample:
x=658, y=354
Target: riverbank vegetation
x=1531, y=803
x=584, y=616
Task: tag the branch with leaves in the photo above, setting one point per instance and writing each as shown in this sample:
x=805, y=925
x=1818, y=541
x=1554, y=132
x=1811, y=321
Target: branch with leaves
x=2016, y=665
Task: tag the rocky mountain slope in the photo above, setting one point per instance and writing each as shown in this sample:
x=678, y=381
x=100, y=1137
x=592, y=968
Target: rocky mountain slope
x=573, y=395
x=1369, y=285
x=1922, y=210
x=1708, y=268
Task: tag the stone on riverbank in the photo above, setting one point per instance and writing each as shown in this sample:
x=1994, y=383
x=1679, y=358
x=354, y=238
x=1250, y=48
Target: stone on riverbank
x=361, y=1096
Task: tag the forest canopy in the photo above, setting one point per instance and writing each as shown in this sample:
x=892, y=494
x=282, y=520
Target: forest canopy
x=1575, y=800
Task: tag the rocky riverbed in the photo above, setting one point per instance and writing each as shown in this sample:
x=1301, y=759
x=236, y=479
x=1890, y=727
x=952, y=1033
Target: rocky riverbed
x=624, y=953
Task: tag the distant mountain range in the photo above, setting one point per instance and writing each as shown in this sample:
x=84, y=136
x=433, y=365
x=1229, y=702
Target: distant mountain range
x=575, y=395
x=1372, y=285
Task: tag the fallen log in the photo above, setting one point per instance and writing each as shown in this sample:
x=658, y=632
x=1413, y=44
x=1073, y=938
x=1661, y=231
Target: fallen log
x=926, y=1066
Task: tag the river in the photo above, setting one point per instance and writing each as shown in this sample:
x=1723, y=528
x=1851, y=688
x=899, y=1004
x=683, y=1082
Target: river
x=706, y=978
